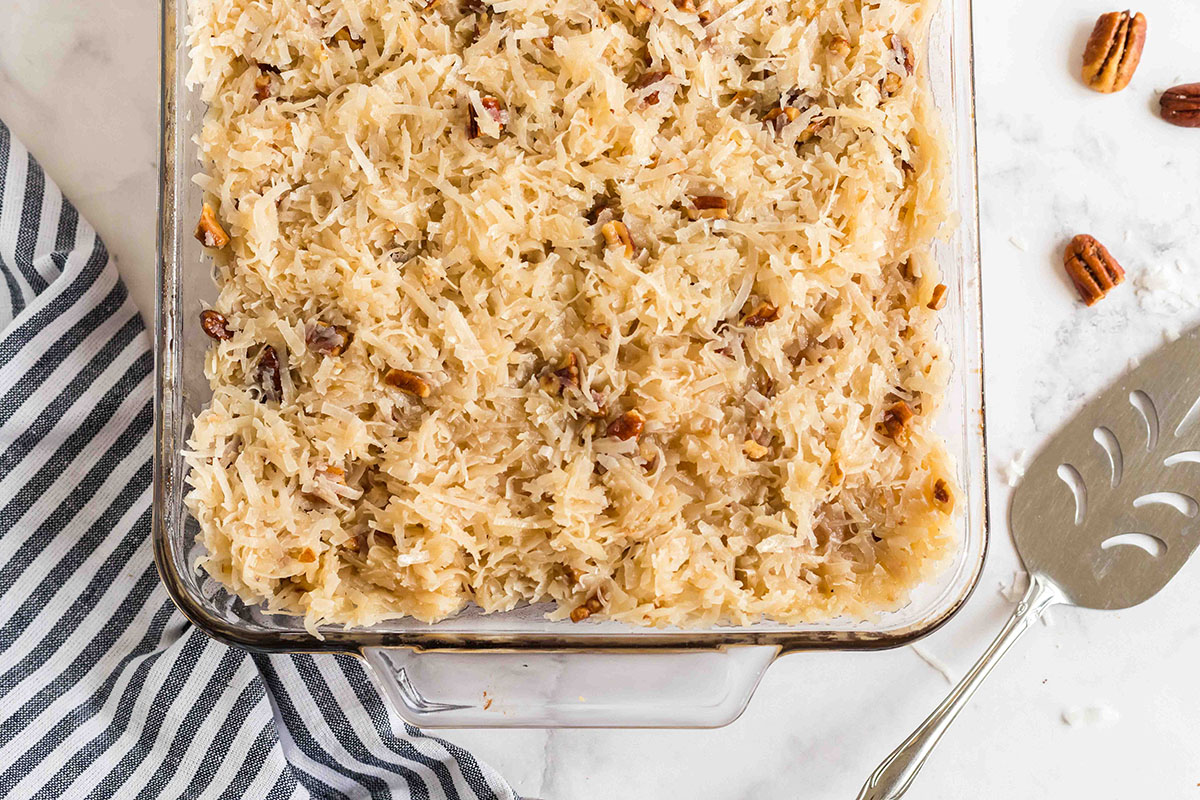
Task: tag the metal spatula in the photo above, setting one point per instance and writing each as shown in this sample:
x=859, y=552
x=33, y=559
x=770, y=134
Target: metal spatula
x=1104, y=518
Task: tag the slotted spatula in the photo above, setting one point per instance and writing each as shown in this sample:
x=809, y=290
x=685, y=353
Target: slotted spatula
x=1104, y=518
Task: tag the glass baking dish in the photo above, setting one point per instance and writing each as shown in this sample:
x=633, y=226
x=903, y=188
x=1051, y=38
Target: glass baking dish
x=518, y=669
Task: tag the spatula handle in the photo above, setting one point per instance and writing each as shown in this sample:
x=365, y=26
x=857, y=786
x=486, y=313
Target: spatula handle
x=893, y=777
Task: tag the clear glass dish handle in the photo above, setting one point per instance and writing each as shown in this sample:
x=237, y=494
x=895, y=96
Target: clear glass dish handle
x=895, y=775
x=540, y=689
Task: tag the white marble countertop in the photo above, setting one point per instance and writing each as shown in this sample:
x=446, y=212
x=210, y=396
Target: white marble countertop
x=79, y=85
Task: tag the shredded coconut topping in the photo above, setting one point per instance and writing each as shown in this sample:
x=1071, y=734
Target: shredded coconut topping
x=540, y=301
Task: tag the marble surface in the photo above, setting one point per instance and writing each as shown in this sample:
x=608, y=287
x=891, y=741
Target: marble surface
x=79, y=85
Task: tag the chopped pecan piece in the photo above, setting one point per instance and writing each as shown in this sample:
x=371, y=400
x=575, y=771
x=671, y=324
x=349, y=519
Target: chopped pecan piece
x=1113, y=51
x=269, y=375
x=938, y=301
x=1180, y=105
x=892, y=83
x=903, y=53
x=943, y=498
x=646, y=81
x=344, y=35
x=627, y=426
x=307, y=556
x=642, y=13
x=262, y=84
x=557, y=381
x=215, y=325
x=761, y=315
x=754, y=451
x=580, y=614
x=839, y=45
x=209, y=231
x=1091, y=268
x=812, y=129
x=709, y=206
x=779, y=117
x=616, y=236
x=408, y=382
x=896, y=419
x=495, y=110
x=743, y=97
x=326, y=339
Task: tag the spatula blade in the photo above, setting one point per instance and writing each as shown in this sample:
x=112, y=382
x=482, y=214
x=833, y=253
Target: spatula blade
x=1108, y=510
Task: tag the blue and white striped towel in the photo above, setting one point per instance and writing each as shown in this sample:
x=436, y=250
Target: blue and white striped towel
x=105, y=689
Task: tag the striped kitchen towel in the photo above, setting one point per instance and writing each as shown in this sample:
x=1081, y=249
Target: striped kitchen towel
x=105, y=689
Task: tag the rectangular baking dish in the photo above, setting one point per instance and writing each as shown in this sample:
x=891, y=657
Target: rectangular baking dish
x=517, y=669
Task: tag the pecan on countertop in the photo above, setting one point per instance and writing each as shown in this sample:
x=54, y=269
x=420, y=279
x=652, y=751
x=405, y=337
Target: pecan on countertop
x=1091, y=268
x=1180, y=105
x=1113, y=51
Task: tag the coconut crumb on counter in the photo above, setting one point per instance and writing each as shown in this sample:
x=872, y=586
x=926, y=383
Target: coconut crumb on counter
x=1098, y=715
x=1014, y=470
x=936, y=663
x=1019, y=243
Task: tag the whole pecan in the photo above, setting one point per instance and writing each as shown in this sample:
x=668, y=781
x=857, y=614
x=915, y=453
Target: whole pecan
x=1091, y=268
x=1181, y=105
x=1113, y=51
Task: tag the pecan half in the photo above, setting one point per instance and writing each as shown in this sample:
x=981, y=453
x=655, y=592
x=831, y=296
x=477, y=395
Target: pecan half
x=627, y=426
x=209, y=231
x=269, y=375
x=761, y=315
x=896, y=419
x=1180, y=105
x=326, y=339
x=557, y=381
x=495, y=110
x=1091, y=268
x=1113, y=51
x=709, y=206
x=215, y=325
x=938, y=301
x=616, y=236
x=408, y=382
